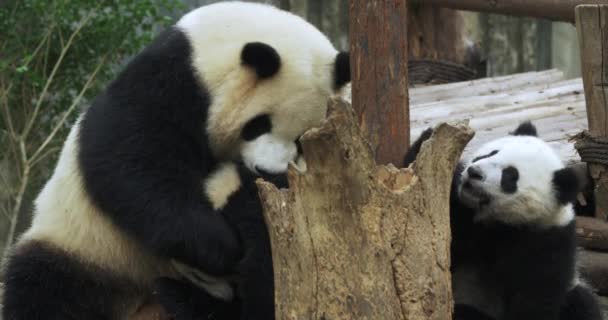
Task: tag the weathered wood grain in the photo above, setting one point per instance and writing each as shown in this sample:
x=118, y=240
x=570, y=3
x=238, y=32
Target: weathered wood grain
x=592, y=27
x=353, y=240
x=485, y=86
x=378, y=37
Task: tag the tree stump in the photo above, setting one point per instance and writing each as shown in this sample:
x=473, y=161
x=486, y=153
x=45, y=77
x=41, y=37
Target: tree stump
x=353, y=240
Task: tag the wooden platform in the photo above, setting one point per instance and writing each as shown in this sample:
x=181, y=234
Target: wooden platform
x=494, y=106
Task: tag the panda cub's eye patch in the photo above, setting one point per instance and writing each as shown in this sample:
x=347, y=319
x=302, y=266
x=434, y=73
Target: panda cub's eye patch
x=485, y=156
x=256, y=127
x=508, y=181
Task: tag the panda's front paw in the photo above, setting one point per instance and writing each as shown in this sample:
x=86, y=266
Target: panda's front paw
x=269, y=154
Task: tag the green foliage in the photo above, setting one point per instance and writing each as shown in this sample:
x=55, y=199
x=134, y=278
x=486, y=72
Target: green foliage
x=55, y=55
x=35, y=32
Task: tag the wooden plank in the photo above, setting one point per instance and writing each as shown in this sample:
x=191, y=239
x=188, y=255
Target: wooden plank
x=473, y=103
x=592, y=27
x=554, y=124
x=479, y=111
x=484, y=86
x=494, y=107
x=559, y=10
x=557, y=109
x=378, y=33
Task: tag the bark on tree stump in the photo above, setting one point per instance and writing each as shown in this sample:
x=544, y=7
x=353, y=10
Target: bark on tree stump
x=353, y=240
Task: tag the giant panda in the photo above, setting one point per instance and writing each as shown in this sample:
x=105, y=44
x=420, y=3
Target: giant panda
x=513, y=238
x=151, y=173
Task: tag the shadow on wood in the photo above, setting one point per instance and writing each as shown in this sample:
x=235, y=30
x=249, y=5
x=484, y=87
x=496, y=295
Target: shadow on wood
x=353, y=240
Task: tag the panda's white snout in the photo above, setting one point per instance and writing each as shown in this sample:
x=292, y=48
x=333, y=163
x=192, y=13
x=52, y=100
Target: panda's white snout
x=474, y=186
x=269, y=153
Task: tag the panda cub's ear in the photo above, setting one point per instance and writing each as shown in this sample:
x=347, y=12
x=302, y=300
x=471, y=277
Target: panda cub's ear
x=525, y=129
x=341, y=70
x=567, y=185
x=264, y=59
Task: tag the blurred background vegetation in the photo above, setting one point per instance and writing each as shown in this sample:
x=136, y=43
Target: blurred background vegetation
x=55, y=55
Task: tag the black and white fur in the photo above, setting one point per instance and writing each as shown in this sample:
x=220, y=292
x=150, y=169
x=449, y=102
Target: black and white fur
x=154, y=180
x=513, y=237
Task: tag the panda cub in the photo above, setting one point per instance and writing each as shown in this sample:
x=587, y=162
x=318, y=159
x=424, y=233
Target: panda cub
x=513, y=236
x=156, y=178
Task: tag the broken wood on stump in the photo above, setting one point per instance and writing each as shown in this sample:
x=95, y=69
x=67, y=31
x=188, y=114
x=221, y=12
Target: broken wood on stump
x=353, y=240
x=592, y=26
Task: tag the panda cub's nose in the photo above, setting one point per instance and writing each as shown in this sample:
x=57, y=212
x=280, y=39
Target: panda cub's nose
x=475, y=173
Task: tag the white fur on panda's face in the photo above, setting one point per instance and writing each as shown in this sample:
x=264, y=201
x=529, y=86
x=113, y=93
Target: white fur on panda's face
x=511, y=180
x=269, y=153
x=295, y=97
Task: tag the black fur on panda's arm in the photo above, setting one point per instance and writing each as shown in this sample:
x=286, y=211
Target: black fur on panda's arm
x=412, y=152
x=255, y=278
x=144, y=156
x=255, y=283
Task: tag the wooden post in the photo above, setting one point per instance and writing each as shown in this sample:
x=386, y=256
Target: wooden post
x=559, y=10
x=592, y=26
x=378, y=40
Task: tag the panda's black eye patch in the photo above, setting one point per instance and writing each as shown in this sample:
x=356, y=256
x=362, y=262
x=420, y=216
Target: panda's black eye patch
x=256, y=127
x=485, y=156
x=508, y=181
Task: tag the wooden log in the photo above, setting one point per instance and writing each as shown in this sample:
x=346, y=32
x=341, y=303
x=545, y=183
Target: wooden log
x=559, y=10
x=378, y=38
x=594, y=269
x=592, y=233
x=592, y=27
x=352, y=240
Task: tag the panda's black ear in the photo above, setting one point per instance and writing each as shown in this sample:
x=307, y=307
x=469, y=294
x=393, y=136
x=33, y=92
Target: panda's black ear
x=341, y=70
x=525, y=129
x=566, y=184
x=264, y=59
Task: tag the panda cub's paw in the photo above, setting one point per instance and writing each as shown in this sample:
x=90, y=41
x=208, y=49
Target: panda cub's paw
x=269, y=154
